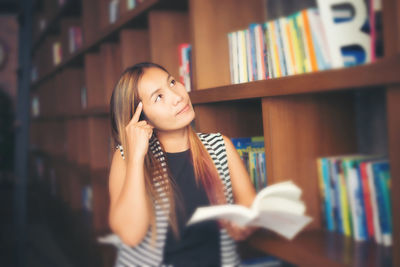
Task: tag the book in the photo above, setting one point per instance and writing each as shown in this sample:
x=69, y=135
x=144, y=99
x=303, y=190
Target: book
x=277, y=208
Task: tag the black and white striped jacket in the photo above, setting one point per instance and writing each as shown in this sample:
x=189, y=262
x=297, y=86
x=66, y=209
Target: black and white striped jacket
x=150, y=253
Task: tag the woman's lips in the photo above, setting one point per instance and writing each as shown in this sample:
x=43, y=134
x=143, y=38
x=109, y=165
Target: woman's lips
x=186, y=108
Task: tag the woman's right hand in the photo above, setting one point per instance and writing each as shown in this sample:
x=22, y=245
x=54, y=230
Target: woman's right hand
x=138, y=135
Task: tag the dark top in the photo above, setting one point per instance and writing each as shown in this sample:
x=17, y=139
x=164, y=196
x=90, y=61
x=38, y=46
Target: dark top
x=198, y=245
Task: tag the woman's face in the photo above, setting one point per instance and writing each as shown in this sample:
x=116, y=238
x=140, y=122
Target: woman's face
x=166, y=103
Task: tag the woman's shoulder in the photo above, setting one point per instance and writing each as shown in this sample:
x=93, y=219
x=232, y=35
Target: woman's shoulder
x=209, y=135
x=213, y=136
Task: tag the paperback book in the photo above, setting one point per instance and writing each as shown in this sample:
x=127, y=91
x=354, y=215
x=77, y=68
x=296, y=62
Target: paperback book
x=277, y=207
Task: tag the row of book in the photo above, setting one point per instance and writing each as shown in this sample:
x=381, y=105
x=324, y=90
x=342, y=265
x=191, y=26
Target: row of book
x=252, y=152
x=185, y=66
x=116, y=5
x=35, y=102
x=299, y=43
x=74, y=43
x=355, y=192
x=75, y=39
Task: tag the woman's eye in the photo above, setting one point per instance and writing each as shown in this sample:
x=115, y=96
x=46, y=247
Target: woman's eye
x=172, y=83
x=158, y=98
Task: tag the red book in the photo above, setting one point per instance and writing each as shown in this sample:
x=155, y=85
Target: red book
x=367, y=199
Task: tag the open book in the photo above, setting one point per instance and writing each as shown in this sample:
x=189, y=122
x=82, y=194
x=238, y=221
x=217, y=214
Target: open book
x=276, y=207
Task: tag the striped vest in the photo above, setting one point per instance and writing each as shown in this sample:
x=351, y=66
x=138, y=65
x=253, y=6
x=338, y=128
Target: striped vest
x=150, y=252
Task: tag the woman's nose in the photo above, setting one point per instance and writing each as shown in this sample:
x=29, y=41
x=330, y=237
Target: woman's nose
x=176, y=98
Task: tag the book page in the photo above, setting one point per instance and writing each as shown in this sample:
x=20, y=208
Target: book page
x=284, y=189
x=281, y=204
x=286, y=224
x=237, y=214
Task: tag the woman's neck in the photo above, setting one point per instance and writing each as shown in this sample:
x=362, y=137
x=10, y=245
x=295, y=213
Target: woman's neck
x=174, y=141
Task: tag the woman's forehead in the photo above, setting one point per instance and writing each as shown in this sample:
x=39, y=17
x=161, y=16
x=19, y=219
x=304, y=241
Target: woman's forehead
x=152, y=79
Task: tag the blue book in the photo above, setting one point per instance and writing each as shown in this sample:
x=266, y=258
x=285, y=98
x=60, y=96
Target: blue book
x=382, y=188
x=282, y=61
x=330, y=223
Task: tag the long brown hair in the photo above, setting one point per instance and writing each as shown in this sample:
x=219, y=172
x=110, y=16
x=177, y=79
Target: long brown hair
x=124, y=101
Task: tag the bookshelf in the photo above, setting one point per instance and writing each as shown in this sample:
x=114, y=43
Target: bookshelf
x=301, y=117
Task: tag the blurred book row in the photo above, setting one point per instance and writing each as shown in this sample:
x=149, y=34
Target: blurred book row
x=309, y=40
x=252, y=152
x=355, y=196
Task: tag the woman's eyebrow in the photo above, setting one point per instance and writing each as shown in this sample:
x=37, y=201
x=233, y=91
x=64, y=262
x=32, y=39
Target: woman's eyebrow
x=154, y=92
x=159, y=89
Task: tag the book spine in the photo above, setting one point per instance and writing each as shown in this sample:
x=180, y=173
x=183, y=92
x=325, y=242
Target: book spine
x=325, y=189
x=279, y=44
x=235, y=57
x=374, y=203
x=303, y=45
x=351, y=183
x=286, y=44
x=231, y=51
x=344, y=201
x=383, y=200
x=271, y=73
x=296, y=46
x=308, y=40
x=249, y=57
x=335, y=185
x=274, y=48
x=367, y=199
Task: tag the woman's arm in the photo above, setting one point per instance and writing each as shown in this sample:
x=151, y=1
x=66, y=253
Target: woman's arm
x=129, y=211
x=243, y=190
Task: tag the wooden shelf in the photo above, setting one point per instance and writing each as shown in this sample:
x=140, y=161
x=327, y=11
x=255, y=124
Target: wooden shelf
x=92, y=112
x=322, y=248
x=134, y=16
x=384, y=72
x=71, y=7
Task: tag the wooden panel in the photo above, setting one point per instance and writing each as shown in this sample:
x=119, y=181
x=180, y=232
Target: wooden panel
x=82, y=128
x=101, y=201
x=211, y=21
x=233, y=119
x=391, y=27
x=90, y=20
x=104, y=18
x=94, y=78
x=393, y=120
x=99, y=142
x=322, y=248
x=167, y=30
x=66, y=23
x=72, y=140
x=74, y=81
x=134, y=47
x=111, y=64
x=297, y=130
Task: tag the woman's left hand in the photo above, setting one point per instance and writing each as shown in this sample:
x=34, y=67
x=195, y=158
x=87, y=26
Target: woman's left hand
x=237, y=232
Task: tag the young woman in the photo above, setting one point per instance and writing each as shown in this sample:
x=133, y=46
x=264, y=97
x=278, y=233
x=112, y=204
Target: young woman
x=162, y=171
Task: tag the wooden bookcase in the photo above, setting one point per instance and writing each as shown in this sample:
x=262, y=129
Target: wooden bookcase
x=301, y=117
